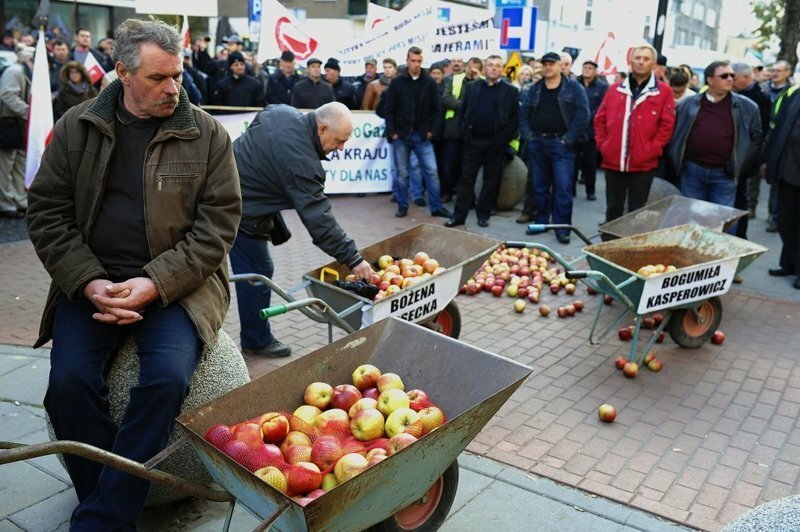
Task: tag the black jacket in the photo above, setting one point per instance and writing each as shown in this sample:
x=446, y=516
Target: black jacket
x=279, y=87
x=778, y=139
x=762, y=101
x=278, y=158
x=311, y=95
x=506, y=112
x=245, y=91
x=595, y=93
x=345, y=93
x=402, y=111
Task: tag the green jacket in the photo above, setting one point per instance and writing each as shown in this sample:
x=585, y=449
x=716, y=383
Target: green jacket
x=192, y=207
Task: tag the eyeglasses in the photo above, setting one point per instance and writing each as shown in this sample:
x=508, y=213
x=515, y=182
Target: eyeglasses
x=726, y=75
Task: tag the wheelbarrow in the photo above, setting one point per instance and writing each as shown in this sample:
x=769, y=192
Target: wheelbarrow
x=429, y=302
x=689, y=297
x=414, y=488
x=410, y=490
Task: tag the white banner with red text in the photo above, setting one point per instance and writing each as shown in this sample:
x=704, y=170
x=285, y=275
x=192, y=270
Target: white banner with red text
x=364, y=165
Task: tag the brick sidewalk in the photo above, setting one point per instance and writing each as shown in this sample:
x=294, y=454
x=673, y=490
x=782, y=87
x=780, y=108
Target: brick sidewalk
x=706, y=439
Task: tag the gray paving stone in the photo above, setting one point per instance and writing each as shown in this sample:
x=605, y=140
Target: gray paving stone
x=470, y=485
x=27, y=383
x=48, y=514
x=50, y=464
x=481, y=465
x=8, y=526
x=24, y=485
x=11, y=362
x=18, y=421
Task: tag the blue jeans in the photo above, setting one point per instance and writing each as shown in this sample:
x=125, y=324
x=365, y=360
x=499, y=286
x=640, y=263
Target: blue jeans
x=414, y=180
x=251, y=255
x=168, y=349
x=551, y=168
x=423, y=149
x=709, y=184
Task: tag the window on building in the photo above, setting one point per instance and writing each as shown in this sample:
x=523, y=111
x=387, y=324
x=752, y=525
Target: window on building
x=686, y=7
x=711, y=17
x=646, y=32
x=356, y=7
x=699, y=11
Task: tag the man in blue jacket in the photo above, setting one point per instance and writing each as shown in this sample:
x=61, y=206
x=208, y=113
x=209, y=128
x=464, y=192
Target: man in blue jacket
x=555, y=116
x=717, y=139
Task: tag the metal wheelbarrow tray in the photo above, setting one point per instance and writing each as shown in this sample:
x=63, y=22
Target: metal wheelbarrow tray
x=460, y=252
x=706, y=262
x=670, y=212
x=454, y=373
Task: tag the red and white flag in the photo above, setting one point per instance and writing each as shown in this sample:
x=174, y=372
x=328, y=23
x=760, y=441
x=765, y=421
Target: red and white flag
x=94, y=69
x=40, y=113
x=186, y=36
x=608, y=57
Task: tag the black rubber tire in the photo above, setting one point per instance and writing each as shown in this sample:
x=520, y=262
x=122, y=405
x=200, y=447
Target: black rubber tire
x=437, y=519
x=449, y=320
x=680, y=319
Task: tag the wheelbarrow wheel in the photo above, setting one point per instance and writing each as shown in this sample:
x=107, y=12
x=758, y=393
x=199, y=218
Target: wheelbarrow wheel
x=448, y=321
x=428, y=513
x=687, y=331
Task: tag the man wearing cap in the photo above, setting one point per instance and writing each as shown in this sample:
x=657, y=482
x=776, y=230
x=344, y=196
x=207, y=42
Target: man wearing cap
x=237, y=89
x=586, y=149
x=631, y=128
x=343, y=91
x=312, y=91
x=555, y=115
x=413, y=114
x=15, y=91
x=362, y=82
x=376, y=88
x=278, y=158
x=661, y=69
x=234, y=44
x=281, y=83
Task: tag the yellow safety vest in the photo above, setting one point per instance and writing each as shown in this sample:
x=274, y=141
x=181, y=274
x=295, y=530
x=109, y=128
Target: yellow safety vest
x=458, y=83
x=788, y=92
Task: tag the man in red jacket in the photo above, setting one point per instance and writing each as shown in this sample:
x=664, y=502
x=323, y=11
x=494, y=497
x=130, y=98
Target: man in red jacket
x=632, y=126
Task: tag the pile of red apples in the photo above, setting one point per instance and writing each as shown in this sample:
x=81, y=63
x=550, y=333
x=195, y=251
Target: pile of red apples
x=337, y=433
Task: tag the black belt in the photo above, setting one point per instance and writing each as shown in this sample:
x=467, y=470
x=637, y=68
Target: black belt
x=549, y=135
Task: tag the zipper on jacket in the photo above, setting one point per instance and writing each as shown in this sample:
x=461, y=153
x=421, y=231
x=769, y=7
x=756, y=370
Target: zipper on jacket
x=735, y=137
x=103, y=182
x=160, y=181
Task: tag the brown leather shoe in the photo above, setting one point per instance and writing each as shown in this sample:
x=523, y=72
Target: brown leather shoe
x=524, y=218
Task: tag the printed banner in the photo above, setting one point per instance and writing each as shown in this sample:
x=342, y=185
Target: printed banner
x=364, y=165
x=416, y=303
x=418, y=24
x=687, y=285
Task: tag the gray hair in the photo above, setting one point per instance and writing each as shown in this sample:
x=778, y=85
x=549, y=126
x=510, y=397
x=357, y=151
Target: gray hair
x=645, y=46
x=133, y=32
x=741, y=68
x=783, y=63
x=332, y=114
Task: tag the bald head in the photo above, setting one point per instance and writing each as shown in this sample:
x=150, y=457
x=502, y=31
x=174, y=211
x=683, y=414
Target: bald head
x=334, y=125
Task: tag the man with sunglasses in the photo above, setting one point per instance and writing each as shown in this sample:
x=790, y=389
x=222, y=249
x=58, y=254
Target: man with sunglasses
x=717, y=139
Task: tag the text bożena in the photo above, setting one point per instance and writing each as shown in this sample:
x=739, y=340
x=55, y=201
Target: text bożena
x=681, y=294
x=412, y=297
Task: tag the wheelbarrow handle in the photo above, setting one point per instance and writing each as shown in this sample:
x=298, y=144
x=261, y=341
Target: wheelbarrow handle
x=602, y=280
x=576, y=275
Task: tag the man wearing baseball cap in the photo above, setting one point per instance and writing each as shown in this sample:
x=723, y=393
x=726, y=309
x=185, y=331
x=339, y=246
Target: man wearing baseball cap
x=586, y=149
x=281, y=82
x=555, y=115
x=312, y=91
x=370, y=74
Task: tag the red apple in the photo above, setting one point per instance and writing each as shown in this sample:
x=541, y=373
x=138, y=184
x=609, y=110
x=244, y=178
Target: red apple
x=349, y=466
x=298, y=453
x=562, y=312
x=606, y=413
x=430, y=265
x=417, y=399
x=303, y=418
x=655, y=365
x=624, y=334
x=375, y=456
x=658, y=318
x=370, y=393
x=399, y=442
x=334, y=421
x=608, y=300
x=362, y=404
x=390, y=381
x=303, y=479
x=250, y=433
x=295, y=438
x=571, y=310
x=648, y=323
x=630, y=370
x=544, y=310
x=421, y=257
x=718, y=337
x=366, y=376
x=591, y=291
x=325, y=451
x=497, y=290
x=578, y=304
x=660, y=337
x=620, y=362
x=274, y=427
x=344, y=396
x=218, y=435
x=648, y=357
x=238, y=450
x=569, y=288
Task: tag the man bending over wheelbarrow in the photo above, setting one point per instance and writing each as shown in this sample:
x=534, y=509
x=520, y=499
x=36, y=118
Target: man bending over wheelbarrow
x=132, y=212
x=278, y=158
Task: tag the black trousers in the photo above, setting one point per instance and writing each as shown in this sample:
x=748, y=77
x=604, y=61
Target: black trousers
x=586, y=164
x=741, y=203
x=633, y=186
x=486, y=153
x=449, y=157
x=789, y=225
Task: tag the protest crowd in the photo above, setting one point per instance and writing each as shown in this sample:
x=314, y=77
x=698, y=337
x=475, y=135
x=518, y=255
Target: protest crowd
x=714, y=136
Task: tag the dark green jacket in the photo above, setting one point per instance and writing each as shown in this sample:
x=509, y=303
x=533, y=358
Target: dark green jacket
x=191, y=200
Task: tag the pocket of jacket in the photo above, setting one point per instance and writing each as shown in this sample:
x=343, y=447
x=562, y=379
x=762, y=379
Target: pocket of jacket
x=173, y=179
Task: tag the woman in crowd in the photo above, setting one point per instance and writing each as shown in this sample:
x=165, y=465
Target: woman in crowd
x=76, y=87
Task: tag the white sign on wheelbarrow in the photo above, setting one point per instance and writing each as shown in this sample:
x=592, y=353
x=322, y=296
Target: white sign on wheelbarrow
x=416, y=303
x=687, y=285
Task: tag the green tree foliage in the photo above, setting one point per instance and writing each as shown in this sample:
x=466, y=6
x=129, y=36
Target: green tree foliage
x=779, y=26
